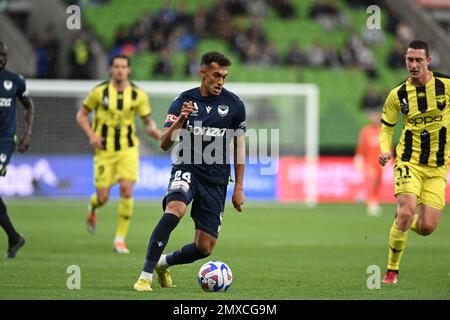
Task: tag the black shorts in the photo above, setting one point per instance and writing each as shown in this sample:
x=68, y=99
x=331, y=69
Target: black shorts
x=208, y=199
x=6, y=151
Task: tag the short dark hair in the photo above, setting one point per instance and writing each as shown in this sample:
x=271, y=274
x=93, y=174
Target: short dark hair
x=120, y=56
x=420, y=44
x=214, y=56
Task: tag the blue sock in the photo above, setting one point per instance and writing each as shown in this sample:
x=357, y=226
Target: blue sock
x=6, y=224
x=159, y=239
x=187, y=254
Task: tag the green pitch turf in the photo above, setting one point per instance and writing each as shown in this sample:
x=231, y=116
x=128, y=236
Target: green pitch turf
x=274, y=251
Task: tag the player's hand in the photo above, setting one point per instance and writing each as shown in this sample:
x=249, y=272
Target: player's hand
x=186, y=109
x=384, y=158
x=96, y=142
x=24, y=143
x=238, y=199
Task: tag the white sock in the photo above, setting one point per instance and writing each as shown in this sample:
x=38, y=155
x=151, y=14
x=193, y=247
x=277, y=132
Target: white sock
x=119, y=239
x=162, y=262
x=146, y=275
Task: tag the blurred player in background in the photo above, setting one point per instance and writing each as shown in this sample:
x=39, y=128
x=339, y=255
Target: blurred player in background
x=206, y=111
x=421, y=166
x=12, y=86
x=113, y=138
x=365, y=160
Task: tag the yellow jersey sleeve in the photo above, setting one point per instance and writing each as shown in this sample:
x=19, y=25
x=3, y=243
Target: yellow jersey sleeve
x=144, y=108
x=92, y=99
x=386, y=134
x=389, y=118
x=391, y=109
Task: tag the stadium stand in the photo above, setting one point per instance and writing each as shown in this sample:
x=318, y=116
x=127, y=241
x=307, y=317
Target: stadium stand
x=330, y=45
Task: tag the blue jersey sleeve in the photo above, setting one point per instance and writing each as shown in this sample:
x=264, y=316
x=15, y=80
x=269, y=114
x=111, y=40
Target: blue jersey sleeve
x=239, y=123
x=174, y=112
x=22, y=92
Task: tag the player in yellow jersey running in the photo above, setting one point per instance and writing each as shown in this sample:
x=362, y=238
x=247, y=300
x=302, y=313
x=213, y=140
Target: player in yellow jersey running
x=421, y=166
x=113, y=138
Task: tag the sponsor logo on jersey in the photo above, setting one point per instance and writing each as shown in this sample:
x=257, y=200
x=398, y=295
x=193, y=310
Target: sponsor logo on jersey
x=5, y=102
x=171, y=118
x=223, y=110
x=7, y=84
x=421, y=95
x=207, y=131
x=208, y=109
x=194, y=112
x=424, y=120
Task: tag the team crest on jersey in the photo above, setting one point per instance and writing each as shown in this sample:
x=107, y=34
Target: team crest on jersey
x=441, y=101
x=223, y=110
x=7, y=84
x=404, y=106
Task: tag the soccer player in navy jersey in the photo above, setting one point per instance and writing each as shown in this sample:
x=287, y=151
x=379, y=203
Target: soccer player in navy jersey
x=206, y=119
x=12, y=86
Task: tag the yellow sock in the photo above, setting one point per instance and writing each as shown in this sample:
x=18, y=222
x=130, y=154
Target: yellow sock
x=125, y=211
x=397, y=245
x=413, y=225
x=93, y=202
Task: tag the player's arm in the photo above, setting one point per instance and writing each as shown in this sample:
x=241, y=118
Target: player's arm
x=145, y=110
x=358, y=158
x=170, y=134
x=23, y=96
x=24, y=142
x=82, y=118
x=238, y=197
x=151, y=128
x=386, y=134
x=388, y=121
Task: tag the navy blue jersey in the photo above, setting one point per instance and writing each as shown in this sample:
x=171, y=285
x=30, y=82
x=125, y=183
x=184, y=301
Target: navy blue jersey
x=12, y=86
x=209, y=131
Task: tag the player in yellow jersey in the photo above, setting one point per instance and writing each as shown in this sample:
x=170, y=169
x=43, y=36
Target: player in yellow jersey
x=421, y=166
x=113, y=138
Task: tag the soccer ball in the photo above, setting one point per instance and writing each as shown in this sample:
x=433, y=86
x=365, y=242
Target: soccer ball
x=215, y=276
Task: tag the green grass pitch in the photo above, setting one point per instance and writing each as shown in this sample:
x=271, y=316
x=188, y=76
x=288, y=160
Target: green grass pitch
x=275, y=252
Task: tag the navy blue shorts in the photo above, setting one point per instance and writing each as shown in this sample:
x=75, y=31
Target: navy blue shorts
x=208, y=199
x=6, y=151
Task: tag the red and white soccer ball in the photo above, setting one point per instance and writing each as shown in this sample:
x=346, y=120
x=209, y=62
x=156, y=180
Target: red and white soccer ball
x=215, y=276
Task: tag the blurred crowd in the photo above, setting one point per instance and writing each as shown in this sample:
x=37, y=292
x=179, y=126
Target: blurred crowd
x=78, y=62
x=172, y=30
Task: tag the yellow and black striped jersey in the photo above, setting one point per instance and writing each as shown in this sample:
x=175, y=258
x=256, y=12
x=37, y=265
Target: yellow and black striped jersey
x=426, y=121
x=115, y=114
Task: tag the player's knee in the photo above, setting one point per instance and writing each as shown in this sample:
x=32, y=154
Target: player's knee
x=126, y=192
x=205, y=249
x=102, y=198
x=427, y=228
x=405, y=215
x=176, y=207
x=205, y=246
x=405, y=209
